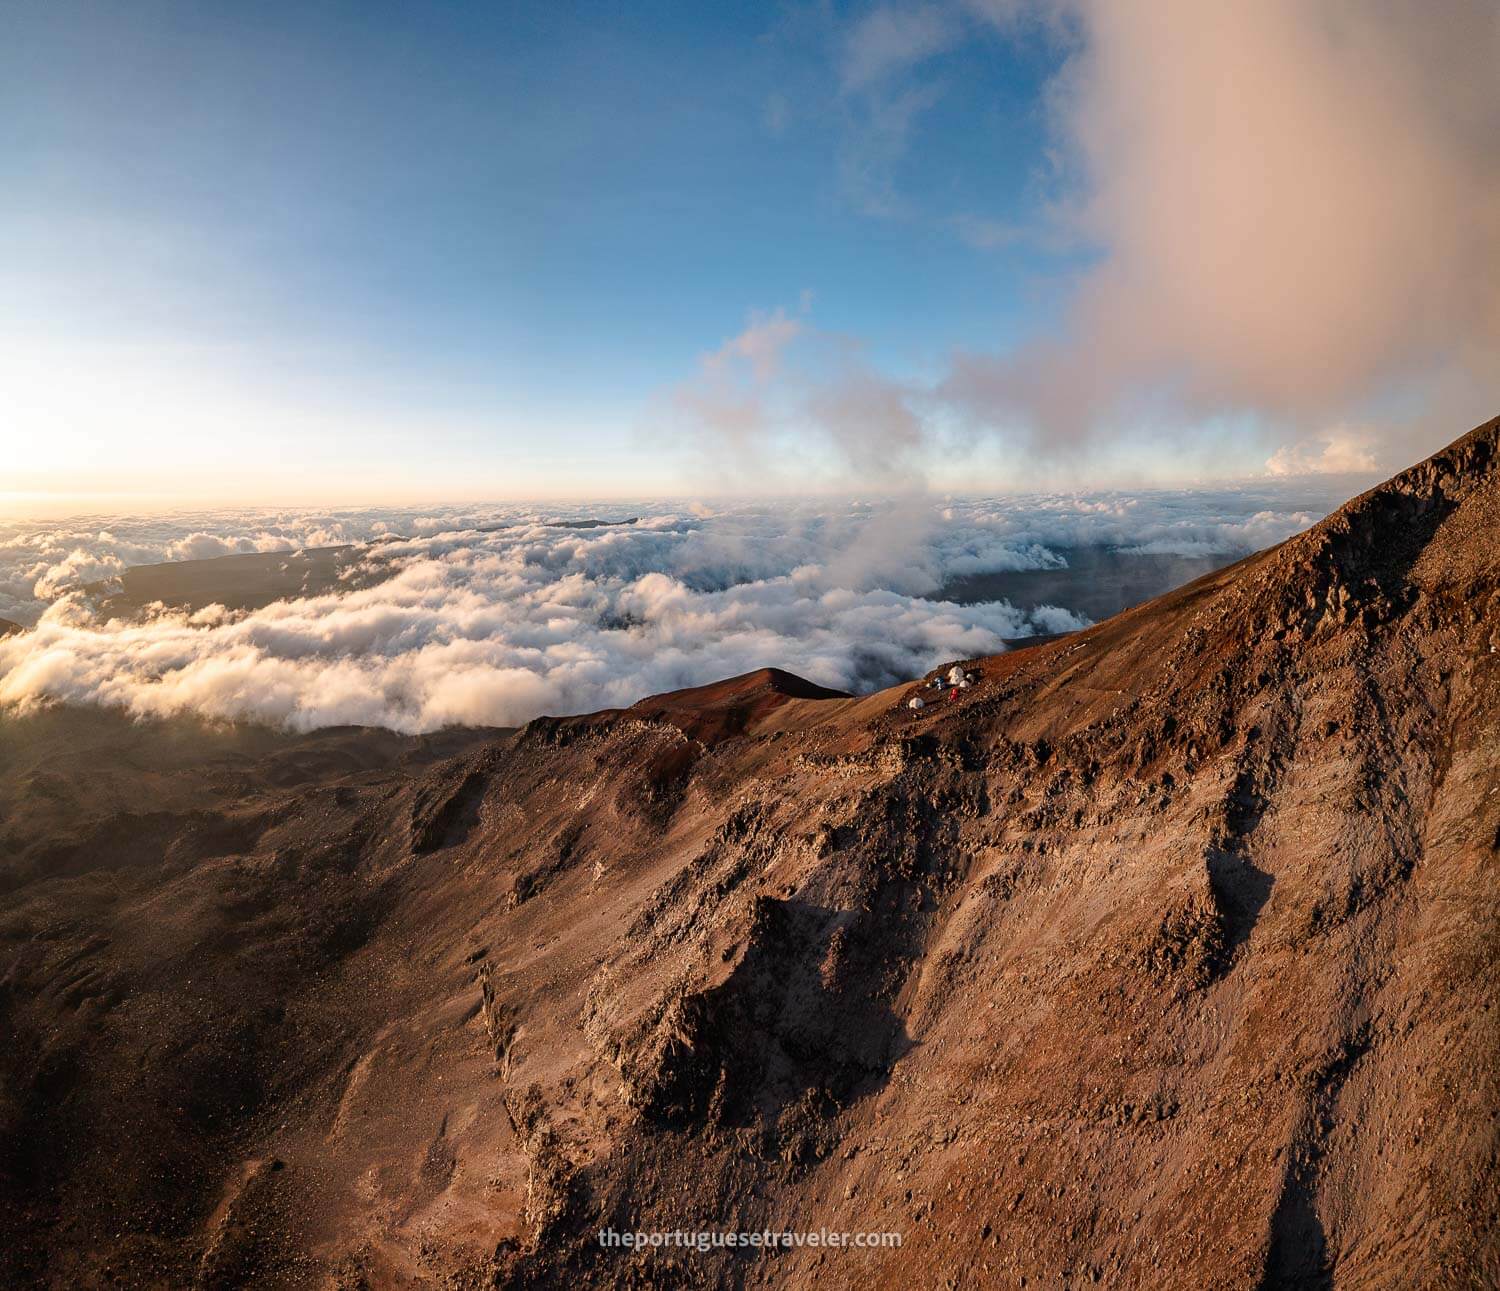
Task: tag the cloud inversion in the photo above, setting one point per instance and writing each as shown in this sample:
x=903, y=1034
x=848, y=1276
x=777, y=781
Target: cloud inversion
x=462, y=622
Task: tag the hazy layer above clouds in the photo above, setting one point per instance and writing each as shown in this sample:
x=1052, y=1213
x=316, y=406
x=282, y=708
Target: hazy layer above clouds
x=454, y=622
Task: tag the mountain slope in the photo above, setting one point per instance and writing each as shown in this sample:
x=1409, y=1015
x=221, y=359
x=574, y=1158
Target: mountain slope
x=1166, y=955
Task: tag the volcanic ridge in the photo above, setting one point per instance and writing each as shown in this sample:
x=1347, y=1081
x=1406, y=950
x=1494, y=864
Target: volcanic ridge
x=1164, y=954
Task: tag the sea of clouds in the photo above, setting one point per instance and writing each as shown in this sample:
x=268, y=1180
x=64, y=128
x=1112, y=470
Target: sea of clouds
x=492, y=615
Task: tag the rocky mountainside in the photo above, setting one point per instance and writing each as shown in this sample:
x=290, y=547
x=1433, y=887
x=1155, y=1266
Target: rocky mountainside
x=1165, y=955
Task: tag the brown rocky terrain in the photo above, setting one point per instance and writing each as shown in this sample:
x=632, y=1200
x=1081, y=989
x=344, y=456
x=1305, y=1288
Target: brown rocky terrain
x=1167, y=955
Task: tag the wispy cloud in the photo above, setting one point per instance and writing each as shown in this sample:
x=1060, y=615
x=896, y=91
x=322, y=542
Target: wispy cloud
x=877, y=138
x=986, y=234
x=783, y=398
x=891, y=39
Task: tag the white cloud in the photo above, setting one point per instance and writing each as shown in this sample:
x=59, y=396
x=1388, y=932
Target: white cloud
x=1340, y=451
x=495, y=628
x=460, y=625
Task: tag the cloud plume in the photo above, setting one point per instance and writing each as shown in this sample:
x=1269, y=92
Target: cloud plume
x=1297, y=204
x=1284, y=212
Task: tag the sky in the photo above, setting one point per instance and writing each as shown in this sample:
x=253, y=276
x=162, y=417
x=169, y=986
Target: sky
x=377, y=252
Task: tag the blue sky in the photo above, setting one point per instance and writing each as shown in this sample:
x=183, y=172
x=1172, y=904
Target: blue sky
x=395, y=250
